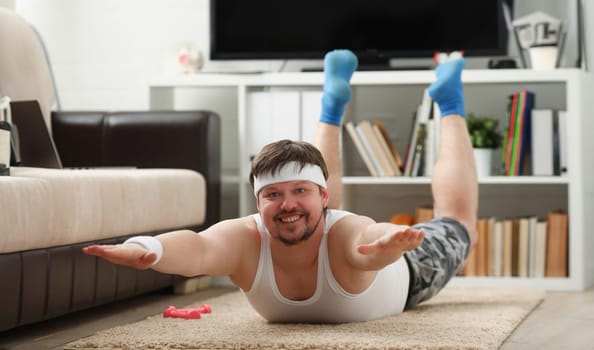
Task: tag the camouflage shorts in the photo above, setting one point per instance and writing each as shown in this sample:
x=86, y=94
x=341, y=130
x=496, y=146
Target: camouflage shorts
x=441, y=255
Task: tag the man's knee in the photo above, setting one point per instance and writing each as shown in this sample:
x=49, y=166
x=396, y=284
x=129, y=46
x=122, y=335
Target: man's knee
x=465, y=215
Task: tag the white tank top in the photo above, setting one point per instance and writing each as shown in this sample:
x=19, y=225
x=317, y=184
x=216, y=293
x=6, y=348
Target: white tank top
x=330, y=303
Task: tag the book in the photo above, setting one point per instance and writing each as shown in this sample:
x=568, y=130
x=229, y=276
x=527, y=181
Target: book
x=557, y=244
x=470, y=265
x=497, y=249
x=421, y=117
x=410, y=147
x=509, y=135
x=504, y=153
x=376, y=149
x=522, y=164
x=437, y=119
x=540, y=250
x=394, y=169
x=349, y=126
x=562, y=128
x=542, y=142
x=490, y=250
x=418, y=165
x=508, y=233
x=430, y=150
x=369, y=150
x=517, y=134
x=395, y=154
x=515, y=256
x=532, y=220
x=482, y=248
x=556, y=149
x=523, y=246
x=517, y=146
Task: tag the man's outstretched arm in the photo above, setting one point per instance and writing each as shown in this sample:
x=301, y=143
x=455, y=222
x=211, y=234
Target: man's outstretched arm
x=390, y=245
x=370, y=246
x=216, y=251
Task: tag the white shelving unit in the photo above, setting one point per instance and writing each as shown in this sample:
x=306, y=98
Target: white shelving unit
x=393, y=96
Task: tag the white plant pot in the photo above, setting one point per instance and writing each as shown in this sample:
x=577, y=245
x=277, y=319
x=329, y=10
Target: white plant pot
x=482, y=158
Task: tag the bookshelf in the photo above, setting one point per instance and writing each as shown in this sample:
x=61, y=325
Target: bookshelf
x=393, y=97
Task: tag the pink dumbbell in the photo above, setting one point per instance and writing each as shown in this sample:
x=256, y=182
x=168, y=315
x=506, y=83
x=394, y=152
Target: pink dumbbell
x=172, y=311
x=205, y=309
x=189, y=313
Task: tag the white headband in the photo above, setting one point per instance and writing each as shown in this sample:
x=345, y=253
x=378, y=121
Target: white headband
x=291, y=172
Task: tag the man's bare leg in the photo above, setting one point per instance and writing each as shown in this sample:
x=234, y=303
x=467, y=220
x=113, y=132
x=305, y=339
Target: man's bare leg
x=454, y=181
x=339, y=66
x=455, y=193
x=327, y=141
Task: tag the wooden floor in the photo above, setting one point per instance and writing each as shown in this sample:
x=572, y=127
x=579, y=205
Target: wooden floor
x=564, y=321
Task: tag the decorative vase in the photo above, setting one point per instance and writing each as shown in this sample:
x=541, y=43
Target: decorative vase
x=482, y=158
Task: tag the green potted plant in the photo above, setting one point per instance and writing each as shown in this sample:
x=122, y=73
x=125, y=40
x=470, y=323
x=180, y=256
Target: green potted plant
x=483, y=132
x=485, y=138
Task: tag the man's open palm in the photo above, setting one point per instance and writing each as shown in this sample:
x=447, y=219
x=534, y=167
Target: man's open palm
x=394, y=243
x=132, y=255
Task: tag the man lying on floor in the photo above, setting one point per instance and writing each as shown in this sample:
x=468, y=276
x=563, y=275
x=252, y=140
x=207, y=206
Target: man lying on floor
x=300, y=258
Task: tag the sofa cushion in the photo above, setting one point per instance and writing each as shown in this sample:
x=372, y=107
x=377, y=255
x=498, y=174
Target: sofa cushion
x=43, y=208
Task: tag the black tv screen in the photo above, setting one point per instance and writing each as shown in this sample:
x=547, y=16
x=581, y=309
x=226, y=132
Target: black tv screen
x=373, y=29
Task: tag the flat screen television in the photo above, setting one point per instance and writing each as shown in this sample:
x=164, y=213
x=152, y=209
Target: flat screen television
x=376, y=30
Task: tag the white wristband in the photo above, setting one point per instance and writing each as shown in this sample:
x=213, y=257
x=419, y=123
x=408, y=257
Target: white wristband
x=151, y=244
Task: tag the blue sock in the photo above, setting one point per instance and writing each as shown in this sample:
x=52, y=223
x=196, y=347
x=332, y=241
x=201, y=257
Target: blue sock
x=339, y=66
x=447, y=89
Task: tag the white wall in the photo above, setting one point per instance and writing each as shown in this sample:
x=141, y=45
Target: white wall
x=7, y=3
x=103, y=52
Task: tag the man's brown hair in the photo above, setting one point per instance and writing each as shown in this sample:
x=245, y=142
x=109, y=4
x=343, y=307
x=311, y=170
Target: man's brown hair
x=275, y=155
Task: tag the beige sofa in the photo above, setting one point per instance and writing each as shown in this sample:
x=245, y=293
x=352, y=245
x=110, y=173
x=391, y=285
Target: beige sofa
x=158, y=184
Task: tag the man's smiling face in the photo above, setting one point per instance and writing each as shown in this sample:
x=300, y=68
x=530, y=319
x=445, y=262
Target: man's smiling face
x=292, y=210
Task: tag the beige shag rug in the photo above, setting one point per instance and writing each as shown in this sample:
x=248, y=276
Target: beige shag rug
x=454, y=319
